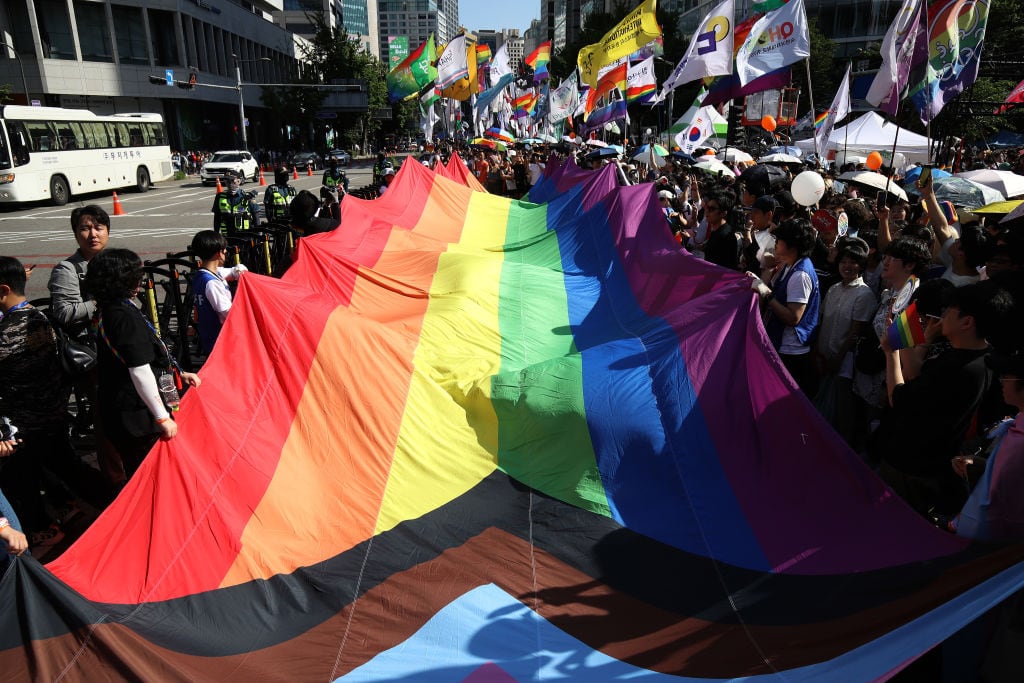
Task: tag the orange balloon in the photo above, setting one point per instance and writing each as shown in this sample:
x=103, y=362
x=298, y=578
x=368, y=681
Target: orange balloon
x=874, y=161
x=768, y=123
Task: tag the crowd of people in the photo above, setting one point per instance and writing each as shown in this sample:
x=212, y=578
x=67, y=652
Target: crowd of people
x=938, y=420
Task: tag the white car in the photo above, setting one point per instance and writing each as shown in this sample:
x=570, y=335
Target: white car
x=237, y=162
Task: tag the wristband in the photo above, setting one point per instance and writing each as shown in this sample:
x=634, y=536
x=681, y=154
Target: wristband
x=4, y=523
x=163, y=419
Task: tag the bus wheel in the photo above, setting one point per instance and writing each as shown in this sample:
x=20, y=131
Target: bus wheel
x=59, y=193
x=142, y=179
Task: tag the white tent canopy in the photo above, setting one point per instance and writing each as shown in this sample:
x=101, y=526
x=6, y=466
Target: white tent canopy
x=872, y=133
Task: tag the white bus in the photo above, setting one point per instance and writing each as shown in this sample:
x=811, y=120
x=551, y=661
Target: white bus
x=50, y=153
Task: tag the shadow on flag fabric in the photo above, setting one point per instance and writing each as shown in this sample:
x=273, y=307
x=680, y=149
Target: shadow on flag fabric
x=890, y=83
x=711, y=49
x=636, y=30
x=470, y=438
x=777, y=39
x=956, y=34
x=414, y=73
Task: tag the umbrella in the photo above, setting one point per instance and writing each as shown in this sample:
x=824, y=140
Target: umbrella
x=644, y=151
x=915, y=173
x=551, y=139
x=683, y=156
x=714, y=167
x=500, y=134
x=570, y=139
x=618, y=148
x=764, y=179
x=962, y=193
x=1007, y=182
x=531, y=141
x=779, y=158
x=786, y=149
x=876, y=181
x=489, y=144
x=602, y=153
x=734, y=155
x=1000, y=207
x=594, y=142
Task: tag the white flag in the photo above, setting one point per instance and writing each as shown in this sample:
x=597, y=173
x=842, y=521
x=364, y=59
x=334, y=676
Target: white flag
x=839, y=109
x=453, y=64
x=778, y=39
x=564, y=99
x=897, y=50
x=500, y=65
x=699, y=129
x=710, y=51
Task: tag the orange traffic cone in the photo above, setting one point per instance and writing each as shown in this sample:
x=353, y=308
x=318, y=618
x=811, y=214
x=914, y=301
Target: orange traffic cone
x=309, y=169
x=295, y=173
x=220, y=188
x=118, y=209
x=263, y=182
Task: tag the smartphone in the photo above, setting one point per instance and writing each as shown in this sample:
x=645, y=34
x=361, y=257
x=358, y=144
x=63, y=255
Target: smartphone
x=880, y=199
x=926, y=176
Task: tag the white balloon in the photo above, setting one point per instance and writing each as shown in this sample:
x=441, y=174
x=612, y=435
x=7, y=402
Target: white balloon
x=807, y=188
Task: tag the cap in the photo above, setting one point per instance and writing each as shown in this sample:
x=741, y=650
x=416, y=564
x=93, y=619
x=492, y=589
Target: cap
x=765, y=203
x=1006, y=363
x=389, y=171
x=665, y=194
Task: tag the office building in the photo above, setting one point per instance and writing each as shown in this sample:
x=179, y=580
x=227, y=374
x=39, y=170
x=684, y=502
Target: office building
x=358, y=18
x=414, y=20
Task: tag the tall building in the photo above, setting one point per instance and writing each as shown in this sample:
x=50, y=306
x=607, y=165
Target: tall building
x=101, y=55
x=358, y=18
x=508, y=37
x=415, y=20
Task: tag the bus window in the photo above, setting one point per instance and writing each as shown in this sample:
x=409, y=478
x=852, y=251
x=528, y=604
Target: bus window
x=5, y=154
x=69, y=133
x=19, y=142
x=94, y=135
x=155, y=133
x=135, y=136
x=41, y=136
x=117, y=134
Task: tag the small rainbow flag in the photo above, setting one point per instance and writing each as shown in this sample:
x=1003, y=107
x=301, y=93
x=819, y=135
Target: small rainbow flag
x=525, y=105
x=483, y=54
x=636, y=92
x=906, y=330
x=820, y=119
x=538, y=61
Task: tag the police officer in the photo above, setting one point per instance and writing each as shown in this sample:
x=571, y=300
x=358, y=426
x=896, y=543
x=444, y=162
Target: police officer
x=233, y=210
x=278, y=196
x=335, y=178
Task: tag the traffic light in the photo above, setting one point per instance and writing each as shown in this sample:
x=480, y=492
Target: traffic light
x=737, y=134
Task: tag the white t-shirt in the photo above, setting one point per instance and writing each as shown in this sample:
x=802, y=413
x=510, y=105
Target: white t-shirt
x=536, y=170
x=798, y=291
x=844, y=305
x=947, y=260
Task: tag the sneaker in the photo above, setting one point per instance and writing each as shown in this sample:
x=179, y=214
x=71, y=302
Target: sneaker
x=46, y=537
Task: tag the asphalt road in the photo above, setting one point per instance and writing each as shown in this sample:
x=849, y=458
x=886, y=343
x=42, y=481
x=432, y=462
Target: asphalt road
x=156, y=222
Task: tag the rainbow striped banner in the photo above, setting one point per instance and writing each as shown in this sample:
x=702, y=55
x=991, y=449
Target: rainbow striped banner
x=465, y=432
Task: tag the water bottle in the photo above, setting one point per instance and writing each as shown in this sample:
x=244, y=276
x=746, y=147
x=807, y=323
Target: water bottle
x=169, y=392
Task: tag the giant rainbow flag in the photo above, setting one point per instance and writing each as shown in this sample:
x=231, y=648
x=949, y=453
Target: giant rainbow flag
x=467, y=438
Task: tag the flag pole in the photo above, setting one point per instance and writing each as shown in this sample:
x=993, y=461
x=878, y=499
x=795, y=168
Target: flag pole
x=846, y=128
x=810, y=96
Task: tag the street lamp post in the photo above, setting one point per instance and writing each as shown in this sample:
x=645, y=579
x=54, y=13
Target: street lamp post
x=24, y=81
x=241, y=99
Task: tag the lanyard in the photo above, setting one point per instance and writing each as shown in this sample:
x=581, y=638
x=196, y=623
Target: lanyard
x=14, y=308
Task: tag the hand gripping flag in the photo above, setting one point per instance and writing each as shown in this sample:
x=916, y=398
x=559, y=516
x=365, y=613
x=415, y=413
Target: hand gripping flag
x=890, y=83
x=639, y=28
x=641, y=83
x=778, y=39
x=711, y=50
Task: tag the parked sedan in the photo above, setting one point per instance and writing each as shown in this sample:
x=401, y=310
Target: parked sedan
x=302, y=160
x=341, y=156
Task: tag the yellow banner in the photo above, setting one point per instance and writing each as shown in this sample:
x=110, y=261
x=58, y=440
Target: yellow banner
x=638, y=28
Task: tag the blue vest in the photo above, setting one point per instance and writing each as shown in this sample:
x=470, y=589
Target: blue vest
x=209, y=321
x=808, y=324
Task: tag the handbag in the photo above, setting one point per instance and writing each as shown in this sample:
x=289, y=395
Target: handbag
x=76, y=358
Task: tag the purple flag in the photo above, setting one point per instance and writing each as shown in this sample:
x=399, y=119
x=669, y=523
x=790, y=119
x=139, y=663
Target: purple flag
x=899, y=47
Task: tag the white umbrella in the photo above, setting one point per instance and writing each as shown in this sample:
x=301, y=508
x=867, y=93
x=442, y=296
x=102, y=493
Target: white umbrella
x=1007, y=182
x=779, y=158
x=596, y=143
x=734, y=155
x=714, y=167
x=572, y=140
x=876, y=181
